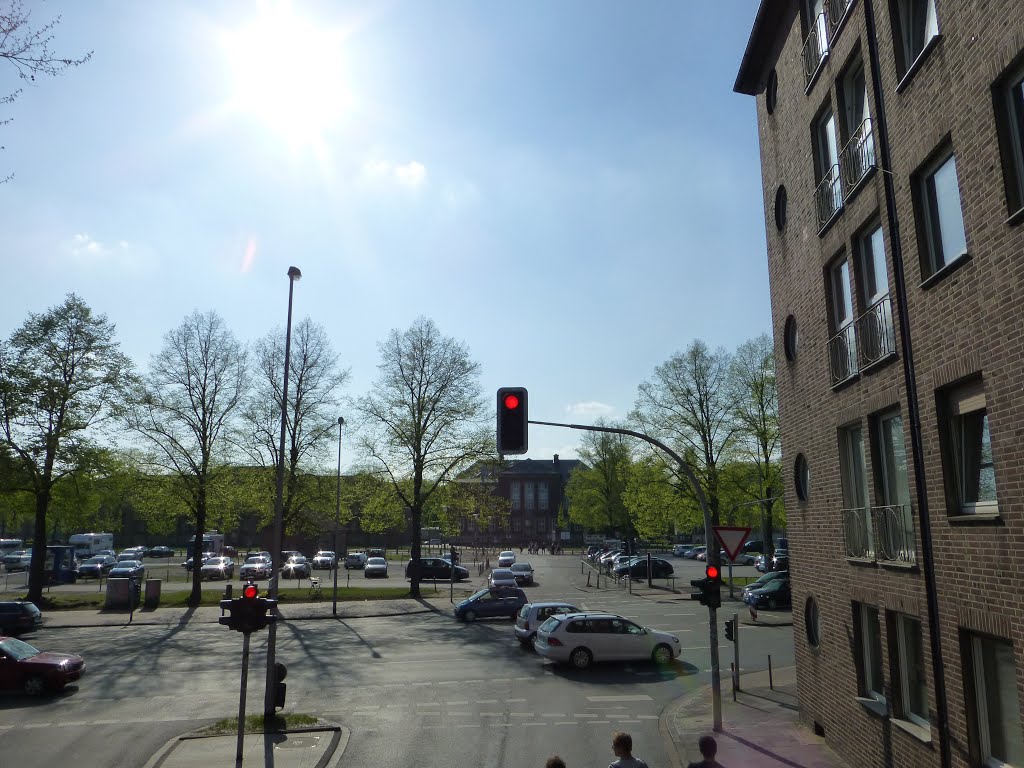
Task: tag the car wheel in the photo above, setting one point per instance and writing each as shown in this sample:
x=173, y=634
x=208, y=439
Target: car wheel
x=772, y=604
x=469, y=615
x=35, y=686
x=662, y=655
x=581, y=658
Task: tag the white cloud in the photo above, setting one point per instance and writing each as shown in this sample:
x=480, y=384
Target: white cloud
x=591, y=409
x=90, y=252
x=412, y=174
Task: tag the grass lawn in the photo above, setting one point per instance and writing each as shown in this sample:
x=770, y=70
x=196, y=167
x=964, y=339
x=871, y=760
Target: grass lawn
x=254, y=724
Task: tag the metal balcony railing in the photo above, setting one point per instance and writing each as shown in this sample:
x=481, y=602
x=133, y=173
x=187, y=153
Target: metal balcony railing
x=858, y=533
x=835, y=12
x=877, y=334
x=815, y=48
x=857, y=159
x=842, y=355
x=895, y=525
x=828, y=197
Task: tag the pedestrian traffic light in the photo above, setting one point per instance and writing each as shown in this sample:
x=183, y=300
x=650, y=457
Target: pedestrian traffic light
x=512, y=420
x=280, y=689
x=248, y=612
x=710, y=587
x=730, y=630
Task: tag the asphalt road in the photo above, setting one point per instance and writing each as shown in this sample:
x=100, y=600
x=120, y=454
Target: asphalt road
x=418, y=690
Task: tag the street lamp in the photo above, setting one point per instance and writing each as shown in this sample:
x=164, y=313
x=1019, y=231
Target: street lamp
x=294, y=274
x=337, y=521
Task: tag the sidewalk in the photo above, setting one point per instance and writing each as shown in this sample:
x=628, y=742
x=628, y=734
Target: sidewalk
x=321, y=746
x=761, y=728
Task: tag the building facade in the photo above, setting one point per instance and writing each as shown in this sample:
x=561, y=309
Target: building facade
x=892, y=152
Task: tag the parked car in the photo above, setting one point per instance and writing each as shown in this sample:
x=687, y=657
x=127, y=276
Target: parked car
x=488, y=603
x=583, y=638
x=255, y=568
x=506, y=558
x=532, y=615
x=637, y=568
x=523, y=573
x=297, y=567
x=110, y=552
x=127, y=569
x=288, y=554
x=187, y=565
x=15, y=563
x=760, y=565
x=96, y=566
x=680, y=550
x=376, y=552
x=218, y=568
x=355, y=561
x=25, y=667
x=325, y=560
x=763, y=581
x=17, y=616
x=502, y=577
x=376, y=566
x=15, y=557
x=774, y=594
x=437, y=568
x=161, y=551
x=740, y=559
x=608, y=556
x=592, y=550
x=701, y=553
x=132, y=553
x=780, y=561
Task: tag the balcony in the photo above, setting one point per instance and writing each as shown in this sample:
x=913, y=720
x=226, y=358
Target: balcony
x=842, y=355
x=835, y=12
x=828, y=198
x=815, y=51
x=877, y=334
x=857, y=159
x=880, y=534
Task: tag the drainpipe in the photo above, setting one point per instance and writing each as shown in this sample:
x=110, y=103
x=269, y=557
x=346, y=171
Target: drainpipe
x=913, y=409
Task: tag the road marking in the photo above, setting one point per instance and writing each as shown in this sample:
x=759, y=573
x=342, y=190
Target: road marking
x=584, y=714
x=529, y=724
x=619, y=698
x=598, y=722
x=501, y=680
x=457, y=703
x=47, y=725
x=492, y=714
x=428, y=703
x=515, y=701
x=461, y=725
x=459, y=714
x=629, y=721
x=566, y=722
x=99, y=722
x=556, y=714
x=648, y=717
x=486, y=701
x=520, y=714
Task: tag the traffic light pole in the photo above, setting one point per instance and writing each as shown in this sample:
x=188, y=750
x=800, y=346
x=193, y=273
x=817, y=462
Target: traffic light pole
x=240, y=743
x=713, y=559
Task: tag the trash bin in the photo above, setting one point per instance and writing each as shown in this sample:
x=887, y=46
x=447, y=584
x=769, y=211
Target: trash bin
x=153, y=593
x=117, y=593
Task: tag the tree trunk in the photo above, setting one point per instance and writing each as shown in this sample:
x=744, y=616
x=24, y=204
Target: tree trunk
x=36, y=569
x=196, y=597
x=414, y=555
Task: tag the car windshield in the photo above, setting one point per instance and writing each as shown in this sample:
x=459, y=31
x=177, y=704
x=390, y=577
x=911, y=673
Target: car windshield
x=255, y=561
x=17, y=649
x=376, y=561
x=297, y=560
x=550, y=625
x=501, y=573
x=521, y=567
x=95, y=561
x=478, y=595
x=126, y=564
x=217, y=561
x=506, y=554
x=325, y=554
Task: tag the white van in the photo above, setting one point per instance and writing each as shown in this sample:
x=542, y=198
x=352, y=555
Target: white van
x=7, y=546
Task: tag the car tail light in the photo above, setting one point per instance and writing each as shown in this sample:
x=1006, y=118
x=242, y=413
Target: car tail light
x=526, y=625
x=554, y=641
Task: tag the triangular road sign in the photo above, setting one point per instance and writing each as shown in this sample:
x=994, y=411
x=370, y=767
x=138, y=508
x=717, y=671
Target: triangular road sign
x=731, y=538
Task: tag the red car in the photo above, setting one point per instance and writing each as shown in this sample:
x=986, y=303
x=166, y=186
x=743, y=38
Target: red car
x=25, y=667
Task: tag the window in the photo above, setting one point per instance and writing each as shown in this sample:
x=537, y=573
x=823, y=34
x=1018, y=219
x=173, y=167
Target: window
x=812, y=622
x=970, y=450
x=514, y=493
x=542, y=496
x=857, y=529
x=815, y=49
x=869, y=657
x=858, y=155
x=892, y=513
x=915, y=24
x=542, y=525
x=842, y=347
x=829, y=193
x=529, y=495
x=771, y=92
x=790, y=338
x=875, y=327
x=780, y=207
x=517, y=524
x=941, y=236
x=801, y=477
x=912, y=694
x=997, y=733
x=1008, y=95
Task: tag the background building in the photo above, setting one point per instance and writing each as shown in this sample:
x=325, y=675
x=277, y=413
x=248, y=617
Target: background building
x=892, y=150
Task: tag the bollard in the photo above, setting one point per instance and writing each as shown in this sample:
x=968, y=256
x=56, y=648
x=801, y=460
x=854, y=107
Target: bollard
x=770, y=683
x=732, y=670
x=588, y=579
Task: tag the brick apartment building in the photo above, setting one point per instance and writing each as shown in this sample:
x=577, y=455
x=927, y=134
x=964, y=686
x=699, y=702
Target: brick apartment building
x=892, y=153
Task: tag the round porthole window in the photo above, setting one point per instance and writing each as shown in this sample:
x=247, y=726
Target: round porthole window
x=812, y=622
x=771, y=92
x=801, y=477
x=790, y=338
x=780, y=207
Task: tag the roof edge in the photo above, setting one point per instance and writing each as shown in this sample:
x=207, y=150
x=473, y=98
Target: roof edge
x=771, y=25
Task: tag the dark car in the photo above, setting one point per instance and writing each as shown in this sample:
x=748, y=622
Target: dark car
x=375, y=552
x=17, y=616
x=436, y=568
x=523, y=573
x=161, y=551
x=763, y=581
x=637, y=569
x=96, y=566
x=489, y=603
x=780, y=562
x=297, y=567
x=774, y=594
x=25, y=667
x=127, y=569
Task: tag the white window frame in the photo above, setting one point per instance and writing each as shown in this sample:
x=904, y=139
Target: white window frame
x=867, y=653
x=933, y=224
x=868, y=246
x=979, y=657
x=902, y=620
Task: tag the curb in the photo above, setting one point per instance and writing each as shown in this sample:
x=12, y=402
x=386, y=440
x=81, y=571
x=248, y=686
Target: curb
x=339, y=742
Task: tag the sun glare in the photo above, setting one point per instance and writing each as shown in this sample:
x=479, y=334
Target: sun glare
x=289, y=73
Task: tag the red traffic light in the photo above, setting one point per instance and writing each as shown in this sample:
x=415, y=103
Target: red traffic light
x=711, y=572
x=249, y=592
x=511, y=401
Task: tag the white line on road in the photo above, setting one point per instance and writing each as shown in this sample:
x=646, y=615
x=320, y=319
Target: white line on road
x=457, y=703
x=530, y=724
x=619, y=698
x=556, y=714
x=584, y=714
x=648, y=717
x=566, y=722
x=598, y=722
x=486, y=701
x=515, y=701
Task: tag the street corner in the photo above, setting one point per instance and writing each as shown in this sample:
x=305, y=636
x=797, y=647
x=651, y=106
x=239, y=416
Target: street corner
x=316, y=746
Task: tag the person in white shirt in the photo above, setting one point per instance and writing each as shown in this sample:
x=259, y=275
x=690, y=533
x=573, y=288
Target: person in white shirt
x=622, y=746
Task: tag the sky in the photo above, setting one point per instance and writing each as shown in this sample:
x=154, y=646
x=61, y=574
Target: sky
x=570, y=189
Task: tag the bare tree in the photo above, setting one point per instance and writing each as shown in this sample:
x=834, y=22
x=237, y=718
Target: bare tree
x=315, y=381
x=27, y=48
x=184, y=410
x=425, y=419
x=61, y=374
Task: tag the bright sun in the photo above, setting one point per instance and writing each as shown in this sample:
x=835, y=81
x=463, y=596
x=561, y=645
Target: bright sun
x=289, y=73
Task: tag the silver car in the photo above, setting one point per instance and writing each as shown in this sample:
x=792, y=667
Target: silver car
x=218, y=568
x=502, y=577
x=506, y=558
x=376, y=566
x=532, y=615
x=583, y=638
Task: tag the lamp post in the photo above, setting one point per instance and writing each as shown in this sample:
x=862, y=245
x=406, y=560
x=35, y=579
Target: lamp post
x=337, y=522
x=294, y=274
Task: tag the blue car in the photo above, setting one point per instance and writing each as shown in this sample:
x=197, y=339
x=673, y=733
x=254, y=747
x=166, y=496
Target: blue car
x=772, y=595
x=488, y=603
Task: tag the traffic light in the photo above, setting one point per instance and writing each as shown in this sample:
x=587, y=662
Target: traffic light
x=280, y=689
x=730, y=630
x=710, y=587
x=512, y=420
x=248, y=612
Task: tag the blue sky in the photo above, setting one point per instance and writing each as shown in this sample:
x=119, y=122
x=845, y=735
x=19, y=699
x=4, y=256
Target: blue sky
x=572, y=188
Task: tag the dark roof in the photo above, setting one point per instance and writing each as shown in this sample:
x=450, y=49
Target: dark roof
x=541, y=467
x=771, y=26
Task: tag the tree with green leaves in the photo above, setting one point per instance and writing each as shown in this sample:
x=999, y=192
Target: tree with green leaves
x=656, y=504
x=184, y=410
x=425, y=419
x=596, y=486
x=61, y=376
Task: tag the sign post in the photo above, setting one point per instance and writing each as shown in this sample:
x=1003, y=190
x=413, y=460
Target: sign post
x=732, y=539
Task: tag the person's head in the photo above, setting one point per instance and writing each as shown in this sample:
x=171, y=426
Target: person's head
x=707, y=746
x=622, y=744
x=555, y=762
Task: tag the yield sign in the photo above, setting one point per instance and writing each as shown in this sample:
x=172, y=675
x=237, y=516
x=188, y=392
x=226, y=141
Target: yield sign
x=731, y=538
